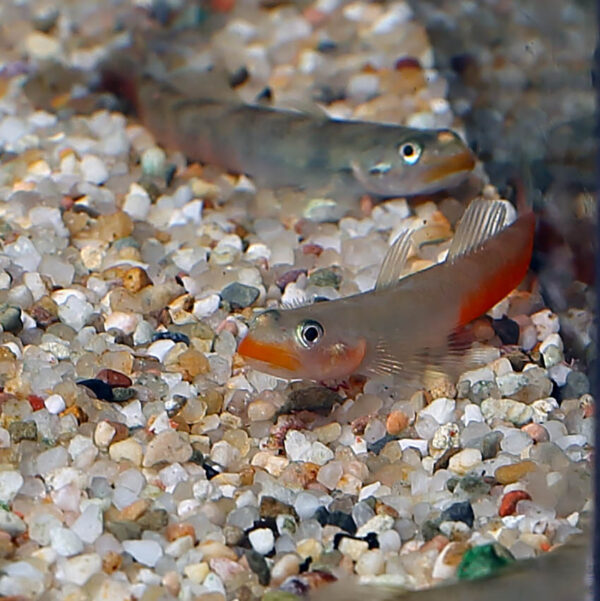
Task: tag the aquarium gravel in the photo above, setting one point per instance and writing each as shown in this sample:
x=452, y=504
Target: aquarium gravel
x=139, y=457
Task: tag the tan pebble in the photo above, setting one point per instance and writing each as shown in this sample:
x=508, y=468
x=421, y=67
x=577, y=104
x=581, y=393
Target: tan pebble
x=536, y=541
x=309, y=547
x=213, y=400
x=274, y=464
x=238, y=439
x=328, y=433
x=537, y=432
x=192, y=363
x=464, y=461
x=111, y=562
x=114, y=226
x=197, y=572
x=382, y=509
x=126, y=450
x=213, y=548
x=75, y=410
x=171, y=582
x=507, y=474
x=260, y=410
x=353, y=548
x=134, y=510
x=103, y=434
x=120, y=361
x=288, y=565
x=175, y=531
x=396, y=422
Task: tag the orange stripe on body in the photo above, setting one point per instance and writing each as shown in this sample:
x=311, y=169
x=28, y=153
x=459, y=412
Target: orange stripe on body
x=496, y=286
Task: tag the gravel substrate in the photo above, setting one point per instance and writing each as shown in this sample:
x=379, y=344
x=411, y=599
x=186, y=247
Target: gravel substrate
x=140, y=457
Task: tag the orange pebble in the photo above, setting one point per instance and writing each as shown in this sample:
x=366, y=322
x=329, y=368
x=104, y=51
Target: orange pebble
x=508, y=505
x=396, y=422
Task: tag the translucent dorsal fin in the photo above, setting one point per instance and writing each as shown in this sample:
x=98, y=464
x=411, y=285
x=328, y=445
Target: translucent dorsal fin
x=395, y=260
x=482, y=220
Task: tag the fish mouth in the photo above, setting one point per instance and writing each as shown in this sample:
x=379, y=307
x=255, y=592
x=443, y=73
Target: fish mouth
x=273, y=354
x=462, y=162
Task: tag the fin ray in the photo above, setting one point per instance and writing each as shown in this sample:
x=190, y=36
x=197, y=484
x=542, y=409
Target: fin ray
x=395, y=260
x=482, y=220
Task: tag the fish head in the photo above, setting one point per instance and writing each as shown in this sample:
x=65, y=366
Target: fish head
x=414, y=162
x=301, y=343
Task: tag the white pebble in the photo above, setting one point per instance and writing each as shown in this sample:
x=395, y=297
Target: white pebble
x=442, y=410
x=10, y=483
x=546, y=323
x=262, y=540
x=93, y=169
x=464, y=461
x=160, y=348
x=137, y=202
x=55, y=404
x=297, y=447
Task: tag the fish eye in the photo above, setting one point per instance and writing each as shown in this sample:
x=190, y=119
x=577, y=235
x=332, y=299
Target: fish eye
x=410, y=152
x=309, y=333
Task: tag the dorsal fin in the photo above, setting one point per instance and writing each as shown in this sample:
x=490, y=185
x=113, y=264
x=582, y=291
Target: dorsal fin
x=395, y=260
x=482, y=220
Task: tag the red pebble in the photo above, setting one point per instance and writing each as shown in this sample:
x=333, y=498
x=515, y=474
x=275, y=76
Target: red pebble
x=36, y=402
x=407, y=62
x=114, y=378
x=508, y=505
x=312, y=249
x=222, y=6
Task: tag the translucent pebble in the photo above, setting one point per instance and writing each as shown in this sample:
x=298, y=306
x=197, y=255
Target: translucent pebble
x=137, y=202
x=146, y=552
x=75, y=312
x=65, y=542
x=24, y=253
x=306, y=504
x=515, y=442
x=51, y=459
x=370, y=563
x=88, y=526
x=330, y=473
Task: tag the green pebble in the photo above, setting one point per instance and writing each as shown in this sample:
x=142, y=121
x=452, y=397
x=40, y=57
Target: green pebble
x=239, y=295
x=325, y=277
x=154, y=162
x=483, y=561
x=22, y=431
x=123, y=394
x=10, y=318
x=155, y=519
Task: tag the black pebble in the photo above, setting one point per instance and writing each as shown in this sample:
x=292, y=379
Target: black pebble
x=101, y=389
x=459, y=512
x=507, y=330
x=335, y=518
x=174, y=336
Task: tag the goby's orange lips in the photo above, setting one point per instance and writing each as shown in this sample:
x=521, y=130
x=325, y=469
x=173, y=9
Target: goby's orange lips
x=462, y=162
x=276, y=354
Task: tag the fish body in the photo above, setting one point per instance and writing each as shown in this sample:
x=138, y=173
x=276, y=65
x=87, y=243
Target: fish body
x=392, y=328
x=559, y=575
x=290, y=148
